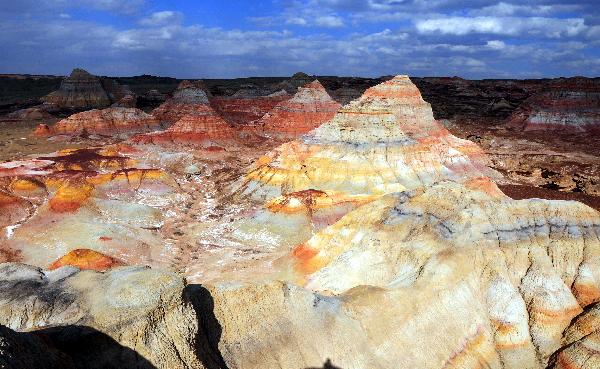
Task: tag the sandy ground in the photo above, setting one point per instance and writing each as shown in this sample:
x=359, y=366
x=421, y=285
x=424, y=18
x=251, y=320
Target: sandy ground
x=16, y=140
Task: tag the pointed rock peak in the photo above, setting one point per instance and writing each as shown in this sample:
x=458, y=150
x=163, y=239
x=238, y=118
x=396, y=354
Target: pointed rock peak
x=191, y=93
x=400, y=88
x=312, y=91
x=79, y=73
x=316, y=85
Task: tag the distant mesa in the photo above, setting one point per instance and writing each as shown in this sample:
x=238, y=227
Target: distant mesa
x=247, y=106
x=82, y=91
x=196, y=128
x=571, y=104
x=31, y=114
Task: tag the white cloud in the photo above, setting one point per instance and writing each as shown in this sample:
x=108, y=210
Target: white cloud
x=496, y=44
x=162, y=18
x=329, y=21
x=508, y=26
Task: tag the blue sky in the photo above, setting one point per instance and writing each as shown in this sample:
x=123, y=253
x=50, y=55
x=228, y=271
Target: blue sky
x=220, y=38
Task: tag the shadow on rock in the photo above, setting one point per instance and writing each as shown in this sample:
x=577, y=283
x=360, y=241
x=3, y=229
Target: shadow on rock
x=327, y=365
x=91, y=349
x=209, y=328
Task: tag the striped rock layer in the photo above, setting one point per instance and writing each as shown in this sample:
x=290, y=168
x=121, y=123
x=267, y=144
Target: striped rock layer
x=568, y=104
x=194, y=128
x=386, y=141
x=84, y=207
x=110, y=121
x=245, y=110
x=80, y=90
x=309, y=108
x=188, y=98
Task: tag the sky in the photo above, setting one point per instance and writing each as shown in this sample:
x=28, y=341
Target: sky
x=241, y=38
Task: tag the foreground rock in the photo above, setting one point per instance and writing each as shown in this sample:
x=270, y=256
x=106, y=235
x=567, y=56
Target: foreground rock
x=111, y=121
x=28, y=350
x=128, y=317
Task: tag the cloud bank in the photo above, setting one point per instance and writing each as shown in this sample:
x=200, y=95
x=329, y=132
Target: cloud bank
x=490, y=39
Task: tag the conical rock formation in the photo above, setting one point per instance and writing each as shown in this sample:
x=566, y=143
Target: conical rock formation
x=386, y=141
x=188, y=98
x=81, y=90
x=310, y=107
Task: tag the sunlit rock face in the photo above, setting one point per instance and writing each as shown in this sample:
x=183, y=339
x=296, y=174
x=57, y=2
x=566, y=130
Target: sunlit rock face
x=110, y=121
x=81, y=90
x=309, y=108
x=581, y=342
x=133, y=317
x=571, y=104
x=450, y=276
x=188, y=98
x=198, y=127
x=377, y=240
x=243, y=110
x=96, y=199
x=386, y=141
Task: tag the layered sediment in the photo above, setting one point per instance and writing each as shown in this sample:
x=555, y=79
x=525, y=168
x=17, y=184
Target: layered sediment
x=566, y=104
x=82, y=91
x=309, y=108
x=188, y=98
x=376, y=240
x=110, y=121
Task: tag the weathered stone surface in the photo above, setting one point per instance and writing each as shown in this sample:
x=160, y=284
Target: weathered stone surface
x=130, y=317
x=85, y=259
x=243, y=110
x=110, y=121
x=310, y=107
x=188, y=98
x=566, y=104
x=198, y=127
x=90, y=198
x=580, y=342
x=35, y=113
x=80, y=90
x=387, y=141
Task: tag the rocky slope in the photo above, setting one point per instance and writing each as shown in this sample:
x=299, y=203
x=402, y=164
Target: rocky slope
x=386, y=141
x=129, y=317
x=377, y=240
x=309, y=108
x=110, y=121
x=82, y=91
x=188, y=98
x=566, y=104
x=241, y=109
